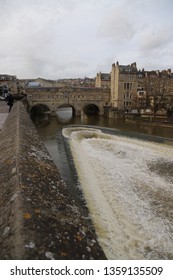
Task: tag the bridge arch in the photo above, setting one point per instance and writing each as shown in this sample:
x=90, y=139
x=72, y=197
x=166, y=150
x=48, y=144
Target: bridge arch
x=40, y=110
x=64, y=113
x=91, y=109
x=67, y=105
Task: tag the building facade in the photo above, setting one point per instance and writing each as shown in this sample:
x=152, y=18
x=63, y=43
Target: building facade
x=124, y=86
x=133, y=89
x=103, y=80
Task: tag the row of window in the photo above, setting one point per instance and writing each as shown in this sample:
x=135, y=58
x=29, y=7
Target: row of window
x=142, y=103
x=129, y=77
x=7, y=78
x=41, y=96
x=129, y=103
x=127, y=95
x=141, y=93
x=127, y=85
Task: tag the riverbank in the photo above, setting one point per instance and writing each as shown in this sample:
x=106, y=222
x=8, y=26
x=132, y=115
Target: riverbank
x=153, y=123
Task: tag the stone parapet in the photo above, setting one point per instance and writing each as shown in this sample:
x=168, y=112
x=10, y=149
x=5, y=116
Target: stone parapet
x=38, y=217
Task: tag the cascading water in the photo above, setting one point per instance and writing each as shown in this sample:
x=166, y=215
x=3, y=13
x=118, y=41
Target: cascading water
x=128, y=186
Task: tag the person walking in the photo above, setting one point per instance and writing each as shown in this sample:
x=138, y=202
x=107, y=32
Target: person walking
x=10, y=101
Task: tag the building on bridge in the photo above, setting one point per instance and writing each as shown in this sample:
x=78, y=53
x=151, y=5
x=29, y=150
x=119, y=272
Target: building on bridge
x=80, y=99
x=103, y=80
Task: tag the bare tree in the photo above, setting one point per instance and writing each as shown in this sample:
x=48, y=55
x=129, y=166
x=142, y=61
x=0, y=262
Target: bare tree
x=157, y=85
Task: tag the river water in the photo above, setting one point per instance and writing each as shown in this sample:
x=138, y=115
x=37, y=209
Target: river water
x=124, y=176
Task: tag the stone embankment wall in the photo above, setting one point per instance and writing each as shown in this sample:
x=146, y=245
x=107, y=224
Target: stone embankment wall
x=38, y=217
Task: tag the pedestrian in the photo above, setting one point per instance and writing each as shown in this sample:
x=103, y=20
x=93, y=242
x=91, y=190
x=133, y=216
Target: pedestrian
x=10, y=101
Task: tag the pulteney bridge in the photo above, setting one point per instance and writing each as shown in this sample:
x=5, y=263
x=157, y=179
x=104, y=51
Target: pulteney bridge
x=82, y=100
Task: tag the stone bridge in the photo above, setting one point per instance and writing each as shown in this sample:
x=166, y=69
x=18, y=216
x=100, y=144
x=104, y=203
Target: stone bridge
x=82, y=100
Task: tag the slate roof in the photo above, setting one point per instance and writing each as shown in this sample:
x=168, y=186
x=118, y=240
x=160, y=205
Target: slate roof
x=105, y=76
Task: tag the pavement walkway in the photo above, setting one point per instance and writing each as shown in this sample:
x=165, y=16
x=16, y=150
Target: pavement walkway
x=3, y=112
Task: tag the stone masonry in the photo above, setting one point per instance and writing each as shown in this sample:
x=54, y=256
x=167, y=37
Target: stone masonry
x=77, y=98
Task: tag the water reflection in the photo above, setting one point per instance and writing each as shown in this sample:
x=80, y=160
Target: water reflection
x=64, y=114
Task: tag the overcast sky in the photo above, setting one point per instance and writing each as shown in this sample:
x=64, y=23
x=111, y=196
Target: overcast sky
x=76, y=38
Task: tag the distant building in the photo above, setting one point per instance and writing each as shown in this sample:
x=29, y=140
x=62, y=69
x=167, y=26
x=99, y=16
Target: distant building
x=40, y=82
x=33, y=84
x=103, y=80
x=48, y=83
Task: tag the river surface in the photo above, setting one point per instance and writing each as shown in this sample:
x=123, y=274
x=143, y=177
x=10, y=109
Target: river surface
x=124, y=176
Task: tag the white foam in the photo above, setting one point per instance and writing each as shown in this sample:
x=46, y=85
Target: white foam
x=129, y=201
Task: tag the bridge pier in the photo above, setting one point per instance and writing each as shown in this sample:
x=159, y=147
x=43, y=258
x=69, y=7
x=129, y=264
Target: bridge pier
x=78, y=113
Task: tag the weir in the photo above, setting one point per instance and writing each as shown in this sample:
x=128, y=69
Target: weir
x=38, y=217
x=127, y=182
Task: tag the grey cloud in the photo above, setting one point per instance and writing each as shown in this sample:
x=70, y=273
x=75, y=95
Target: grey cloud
x=59, y=38
x=117, y=25
x=61, y=68
x=155, y=39
x=155, y=48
